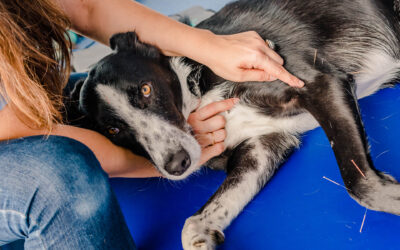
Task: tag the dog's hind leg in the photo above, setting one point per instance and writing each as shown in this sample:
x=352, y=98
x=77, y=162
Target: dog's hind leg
x=333, y=103
x=250, y=166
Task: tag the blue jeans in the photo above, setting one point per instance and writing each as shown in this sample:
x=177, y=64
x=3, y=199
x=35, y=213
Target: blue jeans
x=54, y=195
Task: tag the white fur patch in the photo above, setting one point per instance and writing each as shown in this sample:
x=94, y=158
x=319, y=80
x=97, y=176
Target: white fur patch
x=244, y=122
x=160, y=139
x=190, y=101
x=379, y=68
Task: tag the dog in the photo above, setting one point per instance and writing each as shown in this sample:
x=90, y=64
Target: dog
x=343, y=50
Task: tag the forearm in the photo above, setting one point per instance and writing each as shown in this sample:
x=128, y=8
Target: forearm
x=100, y=19
x=116, y=161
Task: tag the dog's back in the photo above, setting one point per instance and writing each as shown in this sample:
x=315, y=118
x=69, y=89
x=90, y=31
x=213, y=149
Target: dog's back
x=359, y=37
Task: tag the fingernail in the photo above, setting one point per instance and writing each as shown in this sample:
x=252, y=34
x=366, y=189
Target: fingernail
x=235, y=100
x=300, y=84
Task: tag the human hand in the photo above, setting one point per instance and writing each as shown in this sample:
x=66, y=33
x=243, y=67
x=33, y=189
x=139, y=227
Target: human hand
x=208, y=127
x=245, y=57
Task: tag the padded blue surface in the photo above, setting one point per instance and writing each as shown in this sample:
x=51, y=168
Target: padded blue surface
x=298, y=209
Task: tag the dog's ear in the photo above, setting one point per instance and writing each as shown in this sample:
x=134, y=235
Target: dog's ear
x=72, y=114
x=130, y=41
x=74, y=95
x=123, y=41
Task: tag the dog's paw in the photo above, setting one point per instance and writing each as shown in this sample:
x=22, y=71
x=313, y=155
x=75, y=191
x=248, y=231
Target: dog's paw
x=200, y=234
x=387, y=177
x=379, y=192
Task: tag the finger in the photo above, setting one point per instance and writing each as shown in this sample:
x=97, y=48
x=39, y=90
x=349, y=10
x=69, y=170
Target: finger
x=219, y=135
x=271, y=53
x=270, y=78
x=204, y=140
x=274, y=56
x=255, y=75
x=215, y=108
x=282, y=74
x=212, y=124
x=210, y=152
x=211, y=138
x=266, y=49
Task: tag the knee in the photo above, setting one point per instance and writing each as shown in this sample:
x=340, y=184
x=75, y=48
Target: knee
x=75, y=177
x=62, y=171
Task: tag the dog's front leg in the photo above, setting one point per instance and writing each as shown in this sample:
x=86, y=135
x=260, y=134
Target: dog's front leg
x=333, y=103
x=252, y=163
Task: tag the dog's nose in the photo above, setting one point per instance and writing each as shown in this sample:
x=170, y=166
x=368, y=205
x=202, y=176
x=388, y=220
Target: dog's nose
x=179, y=163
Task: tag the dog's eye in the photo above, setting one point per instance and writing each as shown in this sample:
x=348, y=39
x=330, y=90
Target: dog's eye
x=146, y=89
x=113, y=131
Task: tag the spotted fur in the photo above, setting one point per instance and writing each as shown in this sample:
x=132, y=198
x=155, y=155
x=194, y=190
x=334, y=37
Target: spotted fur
x=343, y=50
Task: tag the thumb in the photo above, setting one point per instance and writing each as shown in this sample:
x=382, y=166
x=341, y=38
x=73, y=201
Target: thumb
x=210, y=152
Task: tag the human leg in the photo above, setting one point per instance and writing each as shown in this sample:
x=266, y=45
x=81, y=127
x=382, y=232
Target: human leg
x=54, y=194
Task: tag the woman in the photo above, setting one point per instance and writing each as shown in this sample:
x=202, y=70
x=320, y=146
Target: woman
x=53, y=191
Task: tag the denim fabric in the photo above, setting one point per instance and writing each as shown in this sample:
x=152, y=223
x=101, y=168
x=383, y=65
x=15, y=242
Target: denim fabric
x=54, y=195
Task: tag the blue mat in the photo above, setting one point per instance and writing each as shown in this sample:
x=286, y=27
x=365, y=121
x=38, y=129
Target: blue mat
x=298, y=209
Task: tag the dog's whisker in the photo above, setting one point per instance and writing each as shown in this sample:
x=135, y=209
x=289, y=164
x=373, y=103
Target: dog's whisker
x=387, y=117
x=384, y=152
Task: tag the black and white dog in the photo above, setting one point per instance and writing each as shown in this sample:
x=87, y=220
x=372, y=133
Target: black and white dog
x=342, y=50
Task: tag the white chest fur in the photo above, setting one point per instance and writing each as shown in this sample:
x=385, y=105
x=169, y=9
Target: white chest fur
x=244, y=122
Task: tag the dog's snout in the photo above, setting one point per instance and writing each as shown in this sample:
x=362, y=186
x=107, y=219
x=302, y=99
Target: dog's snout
x=179, y=163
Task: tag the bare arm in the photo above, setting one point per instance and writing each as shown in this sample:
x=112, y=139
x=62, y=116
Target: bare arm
x=116, y=161
x=239, y=57
x=101, y=19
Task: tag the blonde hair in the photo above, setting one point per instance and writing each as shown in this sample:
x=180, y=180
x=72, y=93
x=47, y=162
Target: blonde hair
x=34, y=60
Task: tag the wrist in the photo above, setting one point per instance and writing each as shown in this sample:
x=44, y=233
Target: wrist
x=200, y=46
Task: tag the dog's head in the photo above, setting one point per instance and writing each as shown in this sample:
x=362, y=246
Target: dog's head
x=134, y=98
